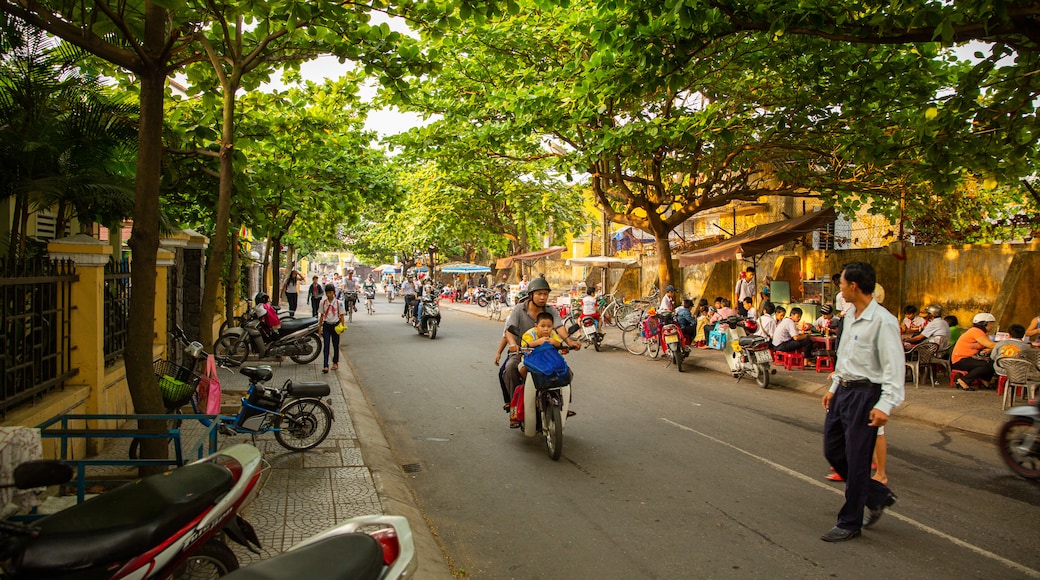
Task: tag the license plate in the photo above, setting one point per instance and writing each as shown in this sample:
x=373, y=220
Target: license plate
x=762, y=356
x=671, y=338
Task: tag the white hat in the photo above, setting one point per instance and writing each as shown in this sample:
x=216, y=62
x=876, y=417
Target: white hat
x=983, y=317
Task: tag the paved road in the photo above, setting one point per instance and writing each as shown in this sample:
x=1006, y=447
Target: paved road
x=670, y=475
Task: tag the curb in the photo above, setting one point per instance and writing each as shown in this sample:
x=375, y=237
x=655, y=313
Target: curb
x=394, y=492
x=944, y=419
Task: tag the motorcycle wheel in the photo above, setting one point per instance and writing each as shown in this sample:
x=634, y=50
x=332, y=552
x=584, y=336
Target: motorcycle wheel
x=433, y=329
x=305, y=424
x=482, y=301
x=1025, y=462
x=634, y=342
x=212, y=560
x=232, y=346
x=597, y=339
x=315, y=349
x=552, y=428
x=763, y=375
x=677, y=358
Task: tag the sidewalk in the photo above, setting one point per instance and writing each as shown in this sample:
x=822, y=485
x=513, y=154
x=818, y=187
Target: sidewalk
x=977, y=412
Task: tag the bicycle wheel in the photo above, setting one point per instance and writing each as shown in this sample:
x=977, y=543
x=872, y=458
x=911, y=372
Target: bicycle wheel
x=626, y=317
x=653, y=347
x=232, y=346
x=634, y=340
x=304, y=424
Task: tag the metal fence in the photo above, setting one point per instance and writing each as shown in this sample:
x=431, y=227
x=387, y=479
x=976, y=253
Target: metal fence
x=35, y=344
x=117, y=308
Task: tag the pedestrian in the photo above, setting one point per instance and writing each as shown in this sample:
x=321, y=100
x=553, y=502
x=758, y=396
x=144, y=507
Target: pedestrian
x=333, y=313
x=292, y=290
x=315, y=293
x=866, y=386
x=745, y=288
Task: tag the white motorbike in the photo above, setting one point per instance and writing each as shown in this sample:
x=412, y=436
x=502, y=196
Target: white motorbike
x=747, y=355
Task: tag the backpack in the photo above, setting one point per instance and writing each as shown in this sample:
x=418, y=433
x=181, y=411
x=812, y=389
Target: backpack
x=547, y=367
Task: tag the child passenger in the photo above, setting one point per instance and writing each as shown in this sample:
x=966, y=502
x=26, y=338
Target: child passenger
x=542, y=333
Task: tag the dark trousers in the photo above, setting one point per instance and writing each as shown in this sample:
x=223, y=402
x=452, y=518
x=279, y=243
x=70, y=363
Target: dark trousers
x=978, y=369
x=804, y=345
x=315, y=303
x=848, y=445
x=408, y=299
x=328, y=333
x=291, y=298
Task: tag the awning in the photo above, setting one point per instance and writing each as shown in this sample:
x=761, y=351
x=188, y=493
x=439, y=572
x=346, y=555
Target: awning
x=460, y=268
x=386, y=268
x=760, y=239
x=508, y=262
x=602, y=262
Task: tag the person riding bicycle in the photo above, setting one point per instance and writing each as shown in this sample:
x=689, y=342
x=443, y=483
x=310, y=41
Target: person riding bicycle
x=369, y=286
x=523, y=317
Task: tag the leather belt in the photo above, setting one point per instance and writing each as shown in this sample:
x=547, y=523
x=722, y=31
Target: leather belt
x=859, y=384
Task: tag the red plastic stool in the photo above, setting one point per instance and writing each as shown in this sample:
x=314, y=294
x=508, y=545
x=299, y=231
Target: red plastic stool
x=954, y=375
x=1001, y=384
x=778, y=357
x=824, y=363
x=794, y=359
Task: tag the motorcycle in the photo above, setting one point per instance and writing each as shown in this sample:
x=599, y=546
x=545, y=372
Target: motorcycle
x=586, y=330
x=748, y=355
x=484, y=295
x=426, y=316
x=675, y=344
x=387, y=553
x=298, y=338
x=543, y=409
x=1019, y=440
x=168, y=525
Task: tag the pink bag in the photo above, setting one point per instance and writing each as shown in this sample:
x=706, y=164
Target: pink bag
x=209, y=389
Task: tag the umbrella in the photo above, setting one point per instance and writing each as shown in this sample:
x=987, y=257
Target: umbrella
x=386, y=268
x=465, y=269
x=602, y=262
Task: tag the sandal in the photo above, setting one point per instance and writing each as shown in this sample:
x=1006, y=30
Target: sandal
x=325, y=370
x=965, y=386
x=335, y=366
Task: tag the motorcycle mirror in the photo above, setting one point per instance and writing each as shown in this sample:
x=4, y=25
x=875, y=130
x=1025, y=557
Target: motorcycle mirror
x=40, y=473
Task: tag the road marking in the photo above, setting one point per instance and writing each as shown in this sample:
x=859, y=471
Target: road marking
x=923, y=527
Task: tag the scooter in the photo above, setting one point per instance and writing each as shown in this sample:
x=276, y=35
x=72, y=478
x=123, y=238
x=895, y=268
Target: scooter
x=484, y=295
x=674, y=344
x=586, y=329
x=1019, y=440
x=747, y=355
x=428, y=318
x=172, y=524
x=344, y=552
x=543, y=409
x=298, y=338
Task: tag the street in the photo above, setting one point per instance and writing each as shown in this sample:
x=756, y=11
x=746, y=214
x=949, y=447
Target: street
x=669, y=475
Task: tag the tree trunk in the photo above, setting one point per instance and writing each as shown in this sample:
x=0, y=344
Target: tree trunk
x=234, y=278
x=144, y=243
x=276, y=270
x=219, y=244
x=664, y=262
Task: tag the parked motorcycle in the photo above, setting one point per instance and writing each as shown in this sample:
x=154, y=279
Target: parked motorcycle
x=748, y=355
x=543, y=408
x=674, y=342
x=168, y=525
x=297, y=338
x=484, y=295
x=387, y=553
x=1019, y=440
x=428, y=318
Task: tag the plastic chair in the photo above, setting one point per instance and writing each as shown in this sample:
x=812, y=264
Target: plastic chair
x=1021, y=374
x=942, y=359
x=920, y=357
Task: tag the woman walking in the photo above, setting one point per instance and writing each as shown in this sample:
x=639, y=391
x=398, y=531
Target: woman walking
x=331, y=315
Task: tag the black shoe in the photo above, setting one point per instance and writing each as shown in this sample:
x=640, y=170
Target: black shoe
x=875, y=513
x=505, y=407
x=837, y=534
x=570, y=413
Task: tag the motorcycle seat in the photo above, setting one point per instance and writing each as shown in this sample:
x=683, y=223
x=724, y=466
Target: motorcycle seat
x=291, y=326
x=315, y=389
x=124, y=522
x=356, y=557
x=258, y=373
x=750, y=340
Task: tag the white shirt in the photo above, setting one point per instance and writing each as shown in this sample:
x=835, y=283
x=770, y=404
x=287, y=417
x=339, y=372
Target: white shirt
x=937, y=331
x=841, y=305
x=666, y=304
x=745, y=288
x=407, y=288
x=785, y=331
x=871, y=349
x=588, y=305
x=766, y=326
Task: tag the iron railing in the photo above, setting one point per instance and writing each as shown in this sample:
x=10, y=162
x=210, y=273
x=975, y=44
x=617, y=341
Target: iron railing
x=117, y=308
x=35, y=343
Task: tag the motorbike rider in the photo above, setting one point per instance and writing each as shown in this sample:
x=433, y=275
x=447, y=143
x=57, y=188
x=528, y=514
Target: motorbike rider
x=408, y=291
x=267, y=314
x=523, y=317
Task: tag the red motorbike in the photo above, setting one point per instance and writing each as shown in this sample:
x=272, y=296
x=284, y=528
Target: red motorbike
x=674, y=343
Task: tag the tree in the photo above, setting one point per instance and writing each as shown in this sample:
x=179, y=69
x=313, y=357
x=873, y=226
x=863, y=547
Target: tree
x=665, y=127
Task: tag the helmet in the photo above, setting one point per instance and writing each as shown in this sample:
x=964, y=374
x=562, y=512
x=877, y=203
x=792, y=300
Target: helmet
x=934, y=310
x=538, y=284
x=261, y=298
x=983, y=317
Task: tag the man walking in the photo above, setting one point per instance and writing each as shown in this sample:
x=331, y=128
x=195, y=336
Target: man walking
x=866, y=385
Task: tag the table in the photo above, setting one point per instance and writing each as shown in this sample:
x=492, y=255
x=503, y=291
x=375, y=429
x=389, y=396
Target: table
x=824, y=342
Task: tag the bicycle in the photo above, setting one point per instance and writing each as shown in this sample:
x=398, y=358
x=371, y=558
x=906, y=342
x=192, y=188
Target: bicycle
x=494, y=307
x=296, y=414
x=645, y=338
x=617, y=313
x=370, y=298
x=350, y=300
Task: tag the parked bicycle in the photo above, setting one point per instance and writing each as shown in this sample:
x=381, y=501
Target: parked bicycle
x=614, y=311
x=295, y=413
x=494, y=307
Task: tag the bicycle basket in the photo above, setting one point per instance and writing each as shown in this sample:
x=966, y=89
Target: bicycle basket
x=176, y=383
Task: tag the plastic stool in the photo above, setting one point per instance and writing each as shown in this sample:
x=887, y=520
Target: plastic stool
x=778, y=357
x=794, y=359
x=956, y=374
x=1001, y=384
x=824, y=363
